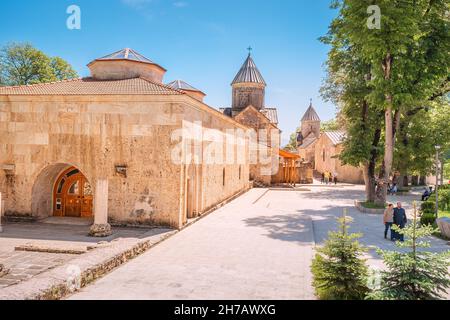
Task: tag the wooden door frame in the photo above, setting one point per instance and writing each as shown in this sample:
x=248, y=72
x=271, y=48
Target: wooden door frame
x=67, y=184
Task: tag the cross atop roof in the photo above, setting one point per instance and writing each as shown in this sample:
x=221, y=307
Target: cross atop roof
x=250, y=49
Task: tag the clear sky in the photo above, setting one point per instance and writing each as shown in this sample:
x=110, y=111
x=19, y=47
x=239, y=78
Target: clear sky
x=200, y=41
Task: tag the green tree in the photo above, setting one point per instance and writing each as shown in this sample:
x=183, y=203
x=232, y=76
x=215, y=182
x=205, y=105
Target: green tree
x=407, y=58
x=447, y=169
x=339, y=271
x=292, y=145
x=331, y=125
x=347, y=85
x=22, y=64
x=414, y=274
x=62, y=69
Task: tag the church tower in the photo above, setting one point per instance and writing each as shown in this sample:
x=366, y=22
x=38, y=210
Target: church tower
x=248, y=87
x=310, y=124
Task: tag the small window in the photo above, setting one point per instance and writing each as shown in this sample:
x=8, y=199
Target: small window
x=240, y=172
x=224, y=177
x=60, y=186
x=73, y=172
x=58, y=204
x=323, y=155
x=75, y=188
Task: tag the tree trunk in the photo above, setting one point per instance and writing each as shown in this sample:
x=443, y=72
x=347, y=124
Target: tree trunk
x=370, y=182
x=422, y=180
x=370, y=178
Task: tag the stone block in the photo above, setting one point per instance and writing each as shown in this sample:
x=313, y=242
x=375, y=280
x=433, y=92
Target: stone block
x=444, y=226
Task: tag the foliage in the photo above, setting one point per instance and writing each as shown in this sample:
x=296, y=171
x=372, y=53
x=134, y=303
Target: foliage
x=292, y=145
x=388, y=76
x=447, y=169
x=427, y=219
x=62, y=69
x=444, y=199
x=444, y=214
x=331, y=125
x=338, y=269
x=428, y=207
x=372, y=205
x=22, y=64
x=413, y=274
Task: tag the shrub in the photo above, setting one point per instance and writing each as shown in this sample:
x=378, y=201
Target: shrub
x=427, y=219
x=338, y=270
x=428, y=207
x=414, y=274
x=444, y=199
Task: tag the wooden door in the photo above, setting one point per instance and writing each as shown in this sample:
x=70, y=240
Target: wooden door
x=73, y=195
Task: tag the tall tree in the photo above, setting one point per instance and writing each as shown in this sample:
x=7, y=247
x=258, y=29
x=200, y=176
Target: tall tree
x=22, y=64
x=407, y=56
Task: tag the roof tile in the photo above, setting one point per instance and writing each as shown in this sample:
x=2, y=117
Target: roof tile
x=90, y=86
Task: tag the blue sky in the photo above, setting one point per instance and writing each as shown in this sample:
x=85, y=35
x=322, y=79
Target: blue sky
x=200, y=41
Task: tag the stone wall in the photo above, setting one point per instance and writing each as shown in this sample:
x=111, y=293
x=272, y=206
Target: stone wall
x=331, y=163
x=43, y=135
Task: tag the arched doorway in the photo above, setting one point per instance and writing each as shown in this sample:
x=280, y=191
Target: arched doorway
x=72, y=195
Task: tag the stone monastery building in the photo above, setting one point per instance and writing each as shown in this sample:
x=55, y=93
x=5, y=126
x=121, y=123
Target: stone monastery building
x=102, y=147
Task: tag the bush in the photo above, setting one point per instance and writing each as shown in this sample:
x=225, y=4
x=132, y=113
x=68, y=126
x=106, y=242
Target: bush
x=427, y=219
x=413, y=274
x=428, y=207
x=338, y=270
x=444, y=199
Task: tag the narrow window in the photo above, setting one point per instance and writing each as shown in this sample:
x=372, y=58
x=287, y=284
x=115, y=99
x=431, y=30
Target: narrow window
x=240, y=172
x=224, y=177
x=323, y=156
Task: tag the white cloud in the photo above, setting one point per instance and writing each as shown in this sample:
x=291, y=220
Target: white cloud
x=180, y=4
x=137, y=4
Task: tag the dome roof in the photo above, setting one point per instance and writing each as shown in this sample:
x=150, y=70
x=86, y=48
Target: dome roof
x=181, y=85
x=126, y=64
x=249, y=73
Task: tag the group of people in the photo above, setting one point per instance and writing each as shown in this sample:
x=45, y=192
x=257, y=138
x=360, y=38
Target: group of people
x=328, y=177
x=395, y=217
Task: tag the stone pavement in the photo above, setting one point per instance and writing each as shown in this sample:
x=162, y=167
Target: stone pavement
x=245, y=250
x=259, y=246
x=31, y=272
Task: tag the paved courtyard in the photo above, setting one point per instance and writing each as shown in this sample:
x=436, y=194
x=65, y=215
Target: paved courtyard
x=259, y=246
x=54, y=237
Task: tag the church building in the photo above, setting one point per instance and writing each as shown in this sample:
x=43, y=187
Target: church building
x=104, y=147
x=322, y=148
x=249, y=108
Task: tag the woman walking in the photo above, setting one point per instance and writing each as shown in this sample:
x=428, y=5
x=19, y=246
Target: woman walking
x=388, y=220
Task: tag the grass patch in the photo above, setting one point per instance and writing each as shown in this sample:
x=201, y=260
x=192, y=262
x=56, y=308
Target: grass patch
x=372, y=205
x=444, y=214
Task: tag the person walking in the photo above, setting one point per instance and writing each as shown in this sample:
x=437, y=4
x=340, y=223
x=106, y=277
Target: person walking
x=327, y=178
x=388, y=220
x=323, y=178
x=400, y=220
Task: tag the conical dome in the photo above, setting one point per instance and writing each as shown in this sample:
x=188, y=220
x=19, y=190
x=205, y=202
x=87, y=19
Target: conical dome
x=311, y=114
x=249, y=73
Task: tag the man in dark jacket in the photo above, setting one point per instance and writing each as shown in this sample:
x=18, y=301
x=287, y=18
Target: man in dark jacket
x=400, y=220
